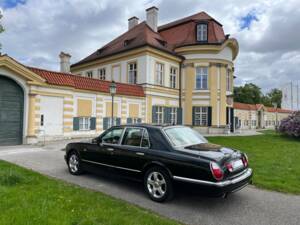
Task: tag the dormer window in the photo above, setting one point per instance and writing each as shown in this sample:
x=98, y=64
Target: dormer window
x=202, y=32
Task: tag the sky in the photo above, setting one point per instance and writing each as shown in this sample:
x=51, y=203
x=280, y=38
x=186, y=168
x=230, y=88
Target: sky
x=268, y=31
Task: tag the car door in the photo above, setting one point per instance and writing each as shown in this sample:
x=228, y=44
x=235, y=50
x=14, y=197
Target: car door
x=101, y=152
x=132, y=153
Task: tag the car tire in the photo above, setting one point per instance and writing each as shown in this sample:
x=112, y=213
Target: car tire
x=158, y=184
x=74, y=163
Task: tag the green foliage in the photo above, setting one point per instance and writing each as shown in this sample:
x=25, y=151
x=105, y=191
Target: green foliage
x=273, y=157
x=251, y=94
x=1, y=26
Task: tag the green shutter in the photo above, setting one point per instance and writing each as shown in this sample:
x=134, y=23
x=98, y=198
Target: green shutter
x=193, y=116
x=118, y=121
x=167, y=115
x=139, y=120
x=76, y=123
x=227, y=115
x=232, y=119
x=179, y=116
x=105, y=123
x=154, y=116
x=129, y=120
x=93, y=123
x=209, y=115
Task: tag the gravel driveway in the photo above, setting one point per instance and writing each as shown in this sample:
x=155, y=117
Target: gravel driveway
x=249, y=206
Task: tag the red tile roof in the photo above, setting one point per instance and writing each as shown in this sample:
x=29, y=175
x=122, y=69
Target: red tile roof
x=84, y=83
x=244, y=106
x=178, y=33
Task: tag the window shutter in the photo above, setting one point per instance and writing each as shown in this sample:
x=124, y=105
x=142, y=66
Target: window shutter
x=179, y=116
x=76, y=123
x=118, y=121
x=154, y=116
x=209, y=115
x=232, y=119
x=93, y=123
x=193, y=116
x=167, y=115
x=139, y=120
x=105, y=123
x=129, y=120
x=227, y=115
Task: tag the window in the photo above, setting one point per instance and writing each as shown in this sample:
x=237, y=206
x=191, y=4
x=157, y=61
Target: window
x=136, y=120
x=201, y=116
x=202, y=32
x=228, y=80
x=159, y=70
x=201, y=78
x=173, y=115
x=173, y=75
x=84, y=123
x=145, y=140
x=113, y=136
x=159, y=115
x=89, y=74
x=132, y=136
x=101, y=73
x=132, y=73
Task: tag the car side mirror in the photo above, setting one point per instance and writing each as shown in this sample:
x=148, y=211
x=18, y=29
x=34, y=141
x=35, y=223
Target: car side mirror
x=95, y=141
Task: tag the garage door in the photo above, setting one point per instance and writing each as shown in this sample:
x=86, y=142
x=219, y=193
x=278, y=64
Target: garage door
x=11, y=112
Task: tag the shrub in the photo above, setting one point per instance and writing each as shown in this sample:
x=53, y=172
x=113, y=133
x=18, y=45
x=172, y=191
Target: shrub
x=291, y=125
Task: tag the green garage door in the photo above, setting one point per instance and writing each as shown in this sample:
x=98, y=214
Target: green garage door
x=11, y=112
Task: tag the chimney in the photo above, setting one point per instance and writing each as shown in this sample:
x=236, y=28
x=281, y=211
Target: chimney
x=152, y=17
x=132, y=22
x=64, y=62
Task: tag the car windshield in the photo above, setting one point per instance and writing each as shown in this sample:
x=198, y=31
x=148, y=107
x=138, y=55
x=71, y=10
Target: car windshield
x=184, y=136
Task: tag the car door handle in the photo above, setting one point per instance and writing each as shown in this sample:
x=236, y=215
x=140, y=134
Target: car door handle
x=110, y=149
x=140, y=153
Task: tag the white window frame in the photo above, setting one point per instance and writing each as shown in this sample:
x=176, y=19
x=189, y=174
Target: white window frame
x=202, y=32
x=135, y=120
x=173, y=115
x=202, y=77
x=159, y=74
x=201, y=116
x=102, y=73
x=89, y=74
x=160, y=115
x=132, y=73
x=84, y=123
x=173, y=77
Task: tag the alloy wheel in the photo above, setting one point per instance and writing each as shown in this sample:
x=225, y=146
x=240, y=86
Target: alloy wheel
x=156, y=184
x=74, y=163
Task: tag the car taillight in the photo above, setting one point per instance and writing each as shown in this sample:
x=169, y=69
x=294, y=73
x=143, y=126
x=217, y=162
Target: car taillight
x=245, y=160
x=216, y=171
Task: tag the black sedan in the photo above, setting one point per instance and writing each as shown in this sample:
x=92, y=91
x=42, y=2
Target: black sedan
x=161, y=155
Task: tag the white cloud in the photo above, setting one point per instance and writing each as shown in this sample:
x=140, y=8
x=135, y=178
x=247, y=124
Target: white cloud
x=269, y=50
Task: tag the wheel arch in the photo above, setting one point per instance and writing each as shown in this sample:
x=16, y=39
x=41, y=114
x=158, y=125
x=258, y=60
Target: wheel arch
x=159, y=164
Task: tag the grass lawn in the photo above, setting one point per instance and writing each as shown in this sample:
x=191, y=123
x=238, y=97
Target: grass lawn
x=29, y=198
x=274, y=158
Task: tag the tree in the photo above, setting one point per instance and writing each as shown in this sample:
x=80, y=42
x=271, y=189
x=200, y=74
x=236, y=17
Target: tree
x=249, y=93
x=275, y=96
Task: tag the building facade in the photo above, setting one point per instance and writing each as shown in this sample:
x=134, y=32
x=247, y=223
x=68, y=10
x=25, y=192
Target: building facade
x=291, y=96
x=177, y=73
x=258, y=116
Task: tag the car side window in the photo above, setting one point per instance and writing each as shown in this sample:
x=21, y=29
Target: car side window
x=145, y=140
x=133, y=136
x=113, y=136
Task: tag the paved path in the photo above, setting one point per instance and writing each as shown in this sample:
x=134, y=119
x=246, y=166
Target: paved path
x=249, y=206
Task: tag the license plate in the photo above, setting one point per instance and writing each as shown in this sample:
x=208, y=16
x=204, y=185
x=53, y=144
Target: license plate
x=237, y=164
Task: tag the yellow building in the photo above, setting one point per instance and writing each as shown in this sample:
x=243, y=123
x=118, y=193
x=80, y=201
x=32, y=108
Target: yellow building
x=177, y=73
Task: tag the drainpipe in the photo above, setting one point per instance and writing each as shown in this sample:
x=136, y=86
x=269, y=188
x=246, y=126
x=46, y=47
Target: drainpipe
x=180, y=88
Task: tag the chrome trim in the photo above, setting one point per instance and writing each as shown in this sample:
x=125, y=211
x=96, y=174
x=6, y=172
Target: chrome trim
x=117, y=167
x=247, y=174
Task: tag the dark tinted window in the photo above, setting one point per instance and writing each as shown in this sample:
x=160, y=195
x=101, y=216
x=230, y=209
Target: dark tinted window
x=113, y=136
x=145, y=140
x=132, y=136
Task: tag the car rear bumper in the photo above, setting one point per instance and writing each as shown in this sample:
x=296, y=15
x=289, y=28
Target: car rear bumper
x=227, y=186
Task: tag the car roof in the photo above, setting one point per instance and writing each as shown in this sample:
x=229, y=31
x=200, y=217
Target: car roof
x=147, y=125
